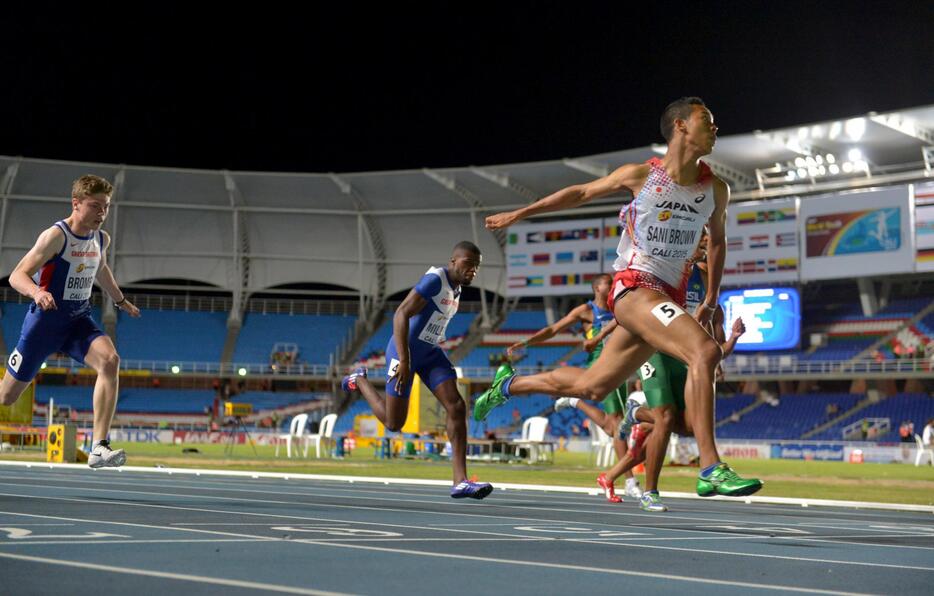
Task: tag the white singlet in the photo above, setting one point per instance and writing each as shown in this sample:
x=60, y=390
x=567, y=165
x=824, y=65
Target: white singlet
x=662, y=226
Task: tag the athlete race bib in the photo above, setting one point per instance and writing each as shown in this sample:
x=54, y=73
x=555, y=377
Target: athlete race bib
x=433, y=332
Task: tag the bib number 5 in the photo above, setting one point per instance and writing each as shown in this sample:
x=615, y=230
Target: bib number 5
x=666, y=312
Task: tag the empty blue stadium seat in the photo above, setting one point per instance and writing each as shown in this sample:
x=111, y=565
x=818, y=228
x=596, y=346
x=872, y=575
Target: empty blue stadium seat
x=317, y=336
x=172, y=335
x=794, y=416
x=916, y=407
x=524, y=321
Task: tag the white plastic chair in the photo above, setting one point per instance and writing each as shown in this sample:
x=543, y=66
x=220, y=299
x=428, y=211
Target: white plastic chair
x=602, y=446
x=325, y=430
x=296, y=432
x=923, y=451
x=533, y=438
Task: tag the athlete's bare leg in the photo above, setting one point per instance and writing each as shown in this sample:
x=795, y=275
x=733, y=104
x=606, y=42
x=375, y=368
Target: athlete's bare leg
x=622, y=354
x=680, y=336
x=102, y=357
x=610, y=425
x=624, y=466
x=656, y=444
x=11, y=389
x=391, y=411
x=452, y=401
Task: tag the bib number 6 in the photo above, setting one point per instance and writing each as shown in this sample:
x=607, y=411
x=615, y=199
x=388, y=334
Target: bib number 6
x=16, y=359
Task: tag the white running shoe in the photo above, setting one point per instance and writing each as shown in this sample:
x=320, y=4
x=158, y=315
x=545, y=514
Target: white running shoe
x=563, y=403
x=633, y=489
x=102, y=456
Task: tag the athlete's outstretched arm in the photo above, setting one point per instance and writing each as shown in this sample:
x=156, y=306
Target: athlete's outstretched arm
x=411, y=306
x=105, y=277
x=49, y=244
x=626, y=177
x=727, y=345
x=542, y=335
x=591, y=344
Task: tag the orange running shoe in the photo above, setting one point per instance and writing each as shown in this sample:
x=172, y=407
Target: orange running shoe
x=608, y=489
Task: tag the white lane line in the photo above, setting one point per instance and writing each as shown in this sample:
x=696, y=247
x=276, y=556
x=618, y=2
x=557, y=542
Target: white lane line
x=443, y=483
x=744, y=535
x=662, y=576
x=201, y=579
x=754, y=555
x=131, y=541
x=451, y=503
x=345, y=487
x=292, y=518
x=144, y=541
x=467, y=557
x=734, y=516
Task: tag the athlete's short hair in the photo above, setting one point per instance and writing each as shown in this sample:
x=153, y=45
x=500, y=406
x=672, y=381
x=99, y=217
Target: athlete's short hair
x=679, y=108
x=89, y=184
x=596, y=280
x=467, y=246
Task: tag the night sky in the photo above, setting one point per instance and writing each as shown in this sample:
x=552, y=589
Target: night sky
x=431, y=85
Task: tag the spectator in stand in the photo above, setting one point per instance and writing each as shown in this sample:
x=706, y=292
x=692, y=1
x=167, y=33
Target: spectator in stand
x=906, y=431
x=927, y=435
x=832, y=410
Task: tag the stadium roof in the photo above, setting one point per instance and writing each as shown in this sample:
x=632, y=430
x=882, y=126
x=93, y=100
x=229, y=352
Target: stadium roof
x=200, y=224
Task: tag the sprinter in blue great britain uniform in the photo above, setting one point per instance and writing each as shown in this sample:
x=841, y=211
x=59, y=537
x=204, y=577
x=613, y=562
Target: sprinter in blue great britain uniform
x=418, y=328
x=57, y=274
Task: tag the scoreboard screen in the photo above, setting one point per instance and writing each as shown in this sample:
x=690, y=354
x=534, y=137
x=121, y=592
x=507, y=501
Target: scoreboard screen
x=772, y=317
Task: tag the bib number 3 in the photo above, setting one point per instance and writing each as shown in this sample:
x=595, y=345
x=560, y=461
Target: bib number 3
x=666, y=312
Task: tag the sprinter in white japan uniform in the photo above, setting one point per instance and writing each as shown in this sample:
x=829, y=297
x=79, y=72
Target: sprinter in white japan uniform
x=675, y=196
x=57, y=274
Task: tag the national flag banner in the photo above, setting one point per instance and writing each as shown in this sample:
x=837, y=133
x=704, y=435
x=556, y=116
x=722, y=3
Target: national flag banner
x=747, y=217
x=555, y=248
x=572, y=234
x=787, y=264
x=610, y=256
x=525, y=282
x=588, y=256
x=589, y=277
x=786, y=239
x=519, y=260
x=759, y=241
x=612, y=231
x=766, y=216
x=734, y=243
x=513, y=238
x=926, y=255
x=570, y=279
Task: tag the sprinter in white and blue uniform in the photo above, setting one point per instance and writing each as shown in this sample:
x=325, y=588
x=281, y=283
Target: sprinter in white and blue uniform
x=57, y=274
x=418, y=327
x=674, y=197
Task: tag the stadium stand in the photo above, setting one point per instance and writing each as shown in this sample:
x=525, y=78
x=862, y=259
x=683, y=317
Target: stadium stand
x=165, y=335
x=316, y=335
x=916, y=407
x=793, y=416
x=163, y=401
